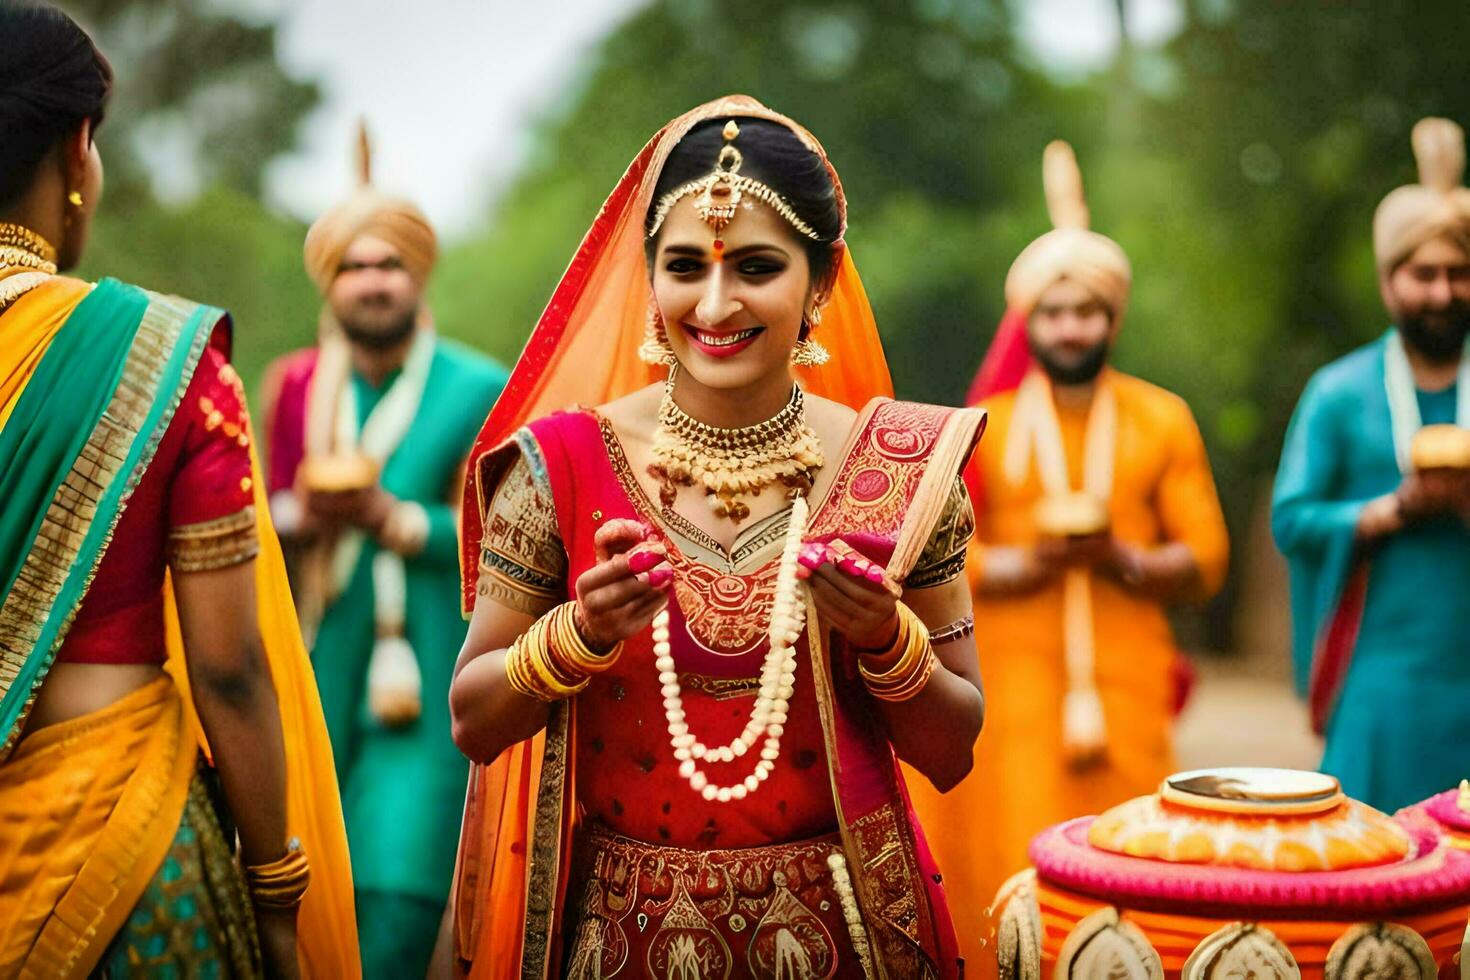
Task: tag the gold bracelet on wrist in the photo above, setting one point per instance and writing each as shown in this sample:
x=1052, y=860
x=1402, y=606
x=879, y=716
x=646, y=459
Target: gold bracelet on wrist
x=568, y=643
x=280, y=884
x=551, y=661
x=906, y=677
x=531, y=672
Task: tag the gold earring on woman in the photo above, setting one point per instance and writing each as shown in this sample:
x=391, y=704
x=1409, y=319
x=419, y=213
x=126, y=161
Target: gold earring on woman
x=74, y=199
x=655, y=348
x=807, y=352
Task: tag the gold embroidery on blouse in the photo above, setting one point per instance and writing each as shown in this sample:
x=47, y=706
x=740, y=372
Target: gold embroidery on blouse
x=523, y=564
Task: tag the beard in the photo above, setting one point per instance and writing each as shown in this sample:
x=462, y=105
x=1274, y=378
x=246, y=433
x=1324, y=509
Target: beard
x=1078, y=370
x=1440, y=336
x=381, y=332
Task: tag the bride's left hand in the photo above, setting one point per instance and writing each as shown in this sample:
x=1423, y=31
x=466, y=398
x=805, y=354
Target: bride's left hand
x=852, y=594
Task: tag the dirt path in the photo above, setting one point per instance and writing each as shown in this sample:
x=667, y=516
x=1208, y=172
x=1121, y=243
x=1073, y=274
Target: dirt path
x=1243, y=716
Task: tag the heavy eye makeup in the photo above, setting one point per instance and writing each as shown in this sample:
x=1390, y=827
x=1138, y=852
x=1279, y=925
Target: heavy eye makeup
x=752, y=262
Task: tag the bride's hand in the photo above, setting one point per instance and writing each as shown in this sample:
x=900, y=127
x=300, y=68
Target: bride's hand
x=852, y=594
x=620, y=595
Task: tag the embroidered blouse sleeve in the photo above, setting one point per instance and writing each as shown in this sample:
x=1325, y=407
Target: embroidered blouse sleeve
x=210, y=512
x=943, y=558
x=523, y=564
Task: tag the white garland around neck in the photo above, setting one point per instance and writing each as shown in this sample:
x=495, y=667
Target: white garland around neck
x=778, y=681
x=1403, y=399
x=1036, y=430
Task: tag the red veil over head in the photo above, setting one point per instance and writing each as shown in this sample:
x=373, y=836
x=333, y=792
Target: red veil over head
x=584, y=351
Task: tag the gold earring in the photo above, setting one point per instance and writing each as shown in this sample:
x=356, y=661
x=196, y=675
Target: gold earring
x=655, y=348
x=75, y=199
x=809, y=353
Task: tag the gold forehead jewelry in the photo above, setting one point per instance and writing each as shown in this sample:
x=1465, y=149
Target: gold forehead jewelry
x=723, y=189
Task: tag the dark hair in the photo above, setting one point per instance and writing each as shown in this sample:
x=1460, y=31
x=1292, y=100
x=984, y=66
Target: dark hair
x=51, y=78
x=773, y=155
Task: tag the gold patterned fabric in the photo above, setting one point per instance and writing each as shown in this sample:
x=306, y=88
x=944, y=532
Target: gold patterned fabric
x=943, y=557
x=523, y=563
x=214, y=544
x=195, y=918
x=644, y=910
x=70, y=514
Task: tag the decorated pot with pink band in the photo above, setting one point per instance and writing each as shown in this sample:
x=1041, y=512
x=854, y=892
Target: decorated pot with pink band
x=1269, y=874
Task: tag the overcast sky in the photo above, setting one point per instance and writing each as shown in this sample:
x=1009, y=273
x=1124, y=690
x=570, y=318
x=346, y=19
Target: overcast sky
x=504, y=63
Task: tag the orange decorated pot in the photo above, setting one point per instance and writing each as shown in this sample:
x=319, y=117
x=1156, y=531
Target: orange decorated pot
x=1258, y=874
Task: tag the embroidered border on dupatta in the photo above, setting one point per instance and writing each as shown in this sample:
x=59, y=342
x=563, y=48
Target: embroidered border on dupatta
x=157, y=370
x=896, y=474
x=547, y=851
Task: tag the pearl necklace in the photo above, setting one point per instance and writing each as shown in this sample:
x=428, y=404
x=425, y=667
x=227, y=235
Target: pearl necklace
x=778, y=680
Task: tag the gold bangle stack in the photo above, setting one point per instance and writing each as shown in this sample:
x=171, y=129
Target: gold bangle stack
x=551, y=661
x=567, y=642
x=282, y=883
x=913, y=668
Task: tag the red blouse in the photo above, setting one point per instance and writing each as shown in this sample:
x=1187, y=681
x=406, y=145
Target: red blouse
x=192, y=509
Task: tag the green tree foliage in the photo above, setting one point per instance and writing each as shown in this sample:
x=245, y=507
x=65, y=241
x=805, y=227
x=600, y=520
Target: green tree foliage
x=925, y=109
x=1285, y=125
x=200, y=106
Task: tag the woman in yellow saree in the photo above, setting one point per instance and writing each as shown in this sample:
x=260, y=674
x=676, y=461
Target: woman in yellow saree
x=758, y=541
x=155, y=700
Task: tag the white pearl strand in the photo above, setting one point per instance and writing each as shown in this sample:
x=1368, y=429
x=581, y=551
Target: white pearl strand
x=778, y=680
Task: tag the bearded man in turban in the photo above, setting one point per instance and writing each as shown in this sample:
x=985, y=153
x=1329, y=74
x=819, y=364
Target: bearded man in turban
x=1372, y=507
x=368, y=433
x=1095, y=506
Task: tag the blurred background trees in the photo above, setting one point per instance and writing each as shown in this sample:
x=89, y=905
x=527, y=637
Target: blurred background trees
x=1238, y=164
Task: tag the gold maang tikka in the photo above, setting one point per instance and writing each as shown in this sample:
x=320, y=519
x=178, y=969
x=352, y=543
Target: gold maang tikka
x=722, y=190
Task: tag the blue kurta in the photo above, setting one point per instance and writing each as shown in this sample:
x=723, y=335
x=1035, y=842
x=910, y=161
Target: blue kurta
x=1400, y=731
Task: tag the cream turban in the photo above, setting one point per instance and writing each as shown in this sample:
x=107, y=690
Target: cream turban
x=1070, y=250
x=370, y=212
x=1438, y=205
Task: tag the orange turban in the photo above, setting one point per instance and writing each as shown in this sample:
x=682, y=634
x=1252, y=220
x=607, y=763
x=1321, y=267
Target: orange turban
x=1070, y=250
x=370, y=212
x=1439, y=205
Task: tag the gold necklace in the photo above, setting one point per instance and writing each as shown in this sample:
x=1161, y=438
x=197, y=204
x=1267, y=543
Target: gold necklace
x=26, y=261
x=21, y=248
x=734, y=463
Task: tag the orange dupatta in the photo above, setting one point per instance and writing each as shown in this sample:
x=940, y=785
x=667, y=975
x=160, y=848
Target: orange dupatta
x=584, y=350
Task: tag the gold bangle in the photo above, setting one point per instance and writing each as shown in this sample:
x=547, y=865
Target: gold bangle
x=282, y=883
x=531, y=671
x=909, y=675
x=571, y=647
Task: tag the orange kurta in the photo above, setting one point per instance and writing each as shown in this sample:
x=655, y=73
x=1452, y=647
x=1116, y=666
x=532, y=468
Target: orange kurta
x=1162, y=492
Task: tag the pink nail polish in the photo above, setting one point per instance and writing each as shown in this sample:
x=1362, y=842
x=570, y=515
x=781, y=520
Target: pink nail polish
x=809, y=558
x=875, y=574
x=660, y=577
x=642, y=561
x=850, y=566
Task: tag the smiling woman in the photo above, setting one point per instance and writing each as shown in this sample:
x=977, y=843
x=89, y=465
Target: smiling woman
x=699, y=590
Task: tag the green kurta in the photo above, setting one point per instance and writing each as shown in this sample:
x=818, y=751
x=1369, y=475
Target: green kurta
x=403, y=789
x=1400, y=730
